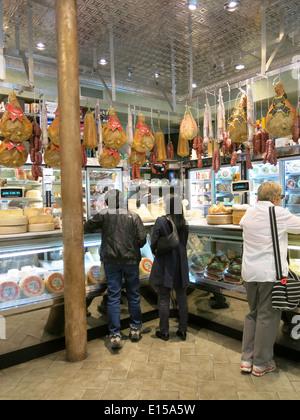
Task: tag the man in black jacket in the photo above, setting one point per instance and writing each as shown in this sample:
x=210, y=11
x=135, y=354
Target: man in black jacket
x=123, y=234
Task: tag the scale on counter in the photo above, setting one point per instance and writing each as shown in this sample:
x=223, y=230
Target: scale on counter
x=8, y=193
x=239, y=188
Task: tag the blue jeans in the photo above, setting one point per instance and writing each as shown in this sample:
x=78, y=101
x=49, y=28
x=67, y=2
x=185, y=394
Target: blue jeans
x=114, y=273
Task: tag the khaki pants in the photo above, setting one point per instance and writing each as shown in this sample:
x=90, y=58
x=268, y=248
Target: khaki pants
x=261, y=324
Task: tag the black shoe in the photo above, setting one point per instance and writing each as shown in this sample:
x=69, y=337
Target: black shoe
x=164, y=337
x=181, y=334
x=219, y=305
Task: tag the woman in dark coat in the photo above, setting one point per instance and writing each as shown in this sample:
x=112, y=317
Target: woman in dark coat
x=170, y=271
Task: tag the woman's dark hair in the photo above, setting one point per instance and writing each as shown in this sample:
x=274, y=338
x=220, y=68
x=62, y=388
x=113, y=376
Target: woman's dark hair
x=114, y=199
x=174, y=209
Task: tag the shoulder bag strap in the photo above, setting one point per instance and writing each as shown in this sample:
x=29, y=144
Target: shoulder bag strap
x=275, y=242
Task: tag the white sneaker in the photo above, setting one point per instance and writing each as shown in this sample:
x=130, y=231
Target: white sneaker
x=262, y=370
x=116, y=342
x=246, y=366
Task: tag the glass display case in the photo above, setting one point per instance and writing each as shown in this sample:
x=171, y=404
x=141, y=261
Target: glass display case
x=18, y=189
x=56, y=194
x=217, y=296
x=99, y=181
x=200, y=189
x=32, y=292
x=223, y=181
x=260, y=173
x=291, y=185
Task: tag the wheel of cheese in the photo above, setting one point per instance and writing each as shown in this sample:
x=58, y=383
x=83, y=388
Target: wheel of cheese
x=13, y=221
x=55, y=283
x=93, y=274
x=9, y=291
x=145, y=266
x=42, y=227
x=7, y=230
x=32, y=286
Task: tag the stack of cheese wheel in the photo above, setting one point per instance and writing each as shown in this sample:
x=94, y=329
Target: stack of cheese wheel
x=38, y=221
x=145, y=266
x=32, y=286
x=54, y=282
x=12, y=221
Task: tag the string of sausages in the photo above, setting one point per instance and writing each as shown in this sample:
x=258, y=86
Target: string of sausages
x=36, y=151
x=198, y=145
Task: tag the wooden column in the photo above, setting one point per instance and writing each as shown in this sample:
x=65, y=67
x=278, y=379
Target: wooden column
x=71, y=179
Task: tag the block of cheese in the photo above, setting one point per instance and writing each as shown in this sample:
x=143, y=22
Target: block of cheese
x=33, y=194
x=93, y=274
x=41, y=227
x=11, y=213
x=32, y=286
x=32, y=212
x=145, y=266
x=38, y=220
x=54, y=282
x=9, y=291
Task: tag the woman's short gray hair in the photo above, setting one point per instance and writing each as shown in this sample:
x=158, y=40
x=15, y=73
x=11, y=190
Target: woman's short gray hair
x=269, y=191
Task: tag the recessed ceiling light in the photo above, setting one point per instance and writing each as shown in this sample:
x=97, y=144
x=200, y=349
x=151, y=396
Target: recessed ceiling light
x=156, y=75
x=193, y=4
x=240, y=66
x=102, y=61
x=194, y=85
x=40, y=46
x=232, y=6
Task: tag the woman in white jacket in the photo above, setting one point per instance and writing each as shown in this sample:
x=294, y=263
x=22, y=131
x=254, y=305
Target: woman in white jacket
x=259, y=274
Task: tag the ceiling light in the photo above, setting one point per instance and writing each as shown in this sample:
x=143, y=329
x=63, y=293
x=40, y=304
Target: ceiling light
x=240, y=66
x=193, y=4
x=40, y=46
x=102, y=61
x=156, y=75
x=232, y=6
x=194, y=85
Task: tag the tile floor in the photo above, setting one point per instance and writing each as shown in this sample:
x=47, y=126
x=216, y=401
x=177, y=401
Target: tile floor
x=205, y=367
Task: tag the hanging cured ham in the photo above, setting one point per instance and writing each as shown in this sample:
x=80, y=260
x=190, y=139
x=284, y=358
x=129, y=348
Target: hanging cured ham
x=161, y=146
x=52, y=152
x=53, y=129
x=183, y=147
x=110, y=158
x=143, y=139
x=114, y=136
x=281, y=115
x=52, y=156
x=14, y=124
x=16, y=129
x=188, y=126
x=90, y=140
x=238, y=122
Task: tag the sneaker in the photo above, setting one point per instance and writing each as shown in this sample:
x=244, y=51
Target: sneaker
x=246, y=366
x=262, y=370
x=116, y=342
x=135, y=335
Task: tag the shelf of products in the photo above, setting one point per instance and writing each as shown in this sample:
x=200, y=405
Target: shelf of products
x=291, y=187
x=98, y=182
x=260, y=173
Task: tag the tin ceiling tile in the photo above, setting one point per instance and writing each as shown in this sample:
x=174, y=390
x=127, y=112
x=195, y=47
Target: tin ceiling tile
x=144, y=31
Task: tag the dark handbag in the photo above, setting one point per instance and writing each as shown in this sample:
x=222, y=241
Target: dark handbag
x=286, y=290
x=166, y=244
